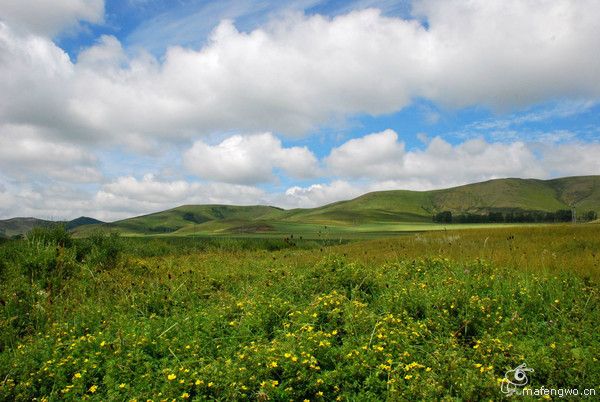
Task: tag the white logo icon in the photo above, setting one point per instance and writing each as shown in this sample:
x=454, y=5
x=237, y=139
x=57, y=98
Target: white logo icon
x=511, y=382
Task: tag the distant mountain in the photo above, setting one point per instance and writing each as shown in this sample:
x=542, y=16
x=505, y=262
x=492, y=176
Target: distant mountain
x=81, y=221
x=18, y=226
x=382, y=207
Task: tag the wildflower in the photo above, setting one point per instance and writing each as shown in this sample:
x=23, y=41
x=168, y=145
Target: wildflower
x=122, y=385
x=553, y=345
x=185, y=395
x=273, y=364
x=171, y=377
x=408, y=377
x=210, y=384
x=77, y=375
x=93, y=389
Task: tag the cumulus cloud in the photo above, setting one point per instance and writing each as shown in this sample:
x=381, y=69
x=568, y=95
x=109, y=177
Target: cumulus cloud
x=571, y=159
x=318, y=194
x=288, y=77
x=25, y=153
x=374, y=155
x=300, y=72
x=50, y=17
x=249, y=159
x=128, y=195
x=120, y=198
x=380, y=156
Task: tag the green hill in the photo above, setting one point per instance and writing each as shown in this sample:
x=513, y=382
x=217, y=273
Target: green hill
x=19, y=226
x=189, y=219
x=384, y=211
x=500, y=195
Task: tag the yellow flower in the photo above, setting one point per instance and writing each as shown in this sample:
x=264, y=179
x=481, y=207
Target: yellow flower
x=408, y=377
x=171, y=377
x=185, y=395
x=93, y=389
x=122, y=385
x=210, y=384
x=198, y=382
x=77, y=375
x=553, y=345
x=273, y=364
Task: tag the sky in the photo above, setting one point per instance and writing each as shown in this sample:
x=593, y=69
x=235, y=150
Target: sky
x=116, y=108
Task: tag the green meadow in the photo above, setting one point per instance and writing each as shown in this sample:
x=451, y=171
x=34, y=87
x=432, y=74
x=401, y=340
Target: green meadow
x=438, y=315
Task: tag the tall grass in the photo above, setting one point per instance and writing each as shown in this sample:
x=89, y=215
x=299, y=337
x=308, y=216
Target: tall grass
x=439, y=316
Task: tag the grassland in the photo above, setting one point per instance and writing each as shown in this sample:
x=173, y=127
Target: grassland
x=431, y=316
x=371, y=215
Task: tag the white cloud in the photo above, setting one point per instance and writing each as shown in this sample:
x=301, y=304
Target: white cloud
x=317, y=194
x=50, y=17
x=129, y=196
x=374, y=155
x=249, y=159
x=571, y=159
x=300, y=72
x=288, y=77
x=381, y=157
x=25, y=153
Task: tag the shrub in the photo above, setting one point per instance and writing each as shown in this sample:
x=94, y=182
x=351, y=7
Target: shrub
x=102, y=251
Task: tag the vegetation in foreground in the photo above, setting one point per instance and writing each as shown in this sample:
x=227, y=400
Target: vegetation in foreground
x=432, y=316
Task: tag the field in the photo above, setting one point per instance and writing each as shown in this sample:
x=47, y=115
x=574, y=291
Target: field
x=427, y=316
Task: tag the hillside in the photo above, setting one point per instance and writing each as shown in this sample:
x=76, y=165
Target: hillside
x=383, y=211
x=192, y=217
x=19, y=226
x=490, y=196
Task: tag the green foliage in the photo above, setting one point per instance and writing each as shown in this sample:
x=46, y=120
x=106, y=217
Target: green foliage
x=440, y=316
x=101, y=250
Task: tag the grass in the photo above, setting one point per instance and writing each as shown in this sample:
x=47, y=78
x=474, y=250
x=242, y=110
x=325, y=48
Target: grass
x=439, y=315
x=371, y=215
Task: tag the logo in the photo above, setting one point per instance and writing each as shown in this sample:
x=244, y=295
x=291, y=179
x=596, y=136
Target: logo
x=515, y=379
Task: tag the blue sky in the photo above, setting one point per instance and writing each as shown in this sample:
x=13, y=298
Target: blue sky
x=116, y=108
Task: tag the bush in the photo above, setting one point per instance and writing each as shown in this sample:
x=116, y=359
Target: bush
x=47, y=254
x=55, y=235
x=101, y=251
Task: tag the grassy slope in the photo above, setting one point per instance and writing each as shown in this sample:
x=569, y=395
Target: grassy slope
x=15, y=226
x=384, y=211
x=188, y=216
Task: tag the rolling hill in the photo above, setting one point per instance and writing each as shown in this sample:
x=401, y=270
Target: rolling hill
x=19, y=226
x=386, y=211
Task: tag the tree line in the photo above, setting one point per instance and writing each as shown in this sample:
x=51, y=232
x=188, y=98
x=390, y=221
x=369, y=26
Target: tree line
x=561, y=215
